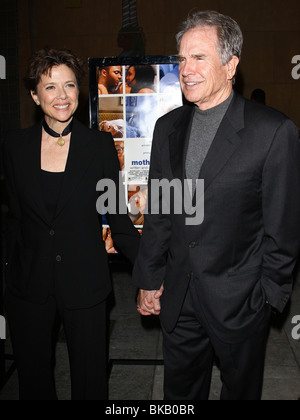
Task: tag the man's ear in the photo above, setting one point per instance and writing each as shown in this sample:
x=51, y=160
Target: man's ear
x=232, y=66
x=35, y=97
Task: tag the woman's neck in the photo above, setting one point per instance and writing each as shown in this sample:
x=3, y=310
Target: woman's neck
x=57, y=126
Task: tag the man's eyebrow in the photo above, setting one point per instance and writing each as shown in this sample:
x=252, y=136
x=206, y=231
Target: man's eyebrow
x=198, y=55
x=179, y=56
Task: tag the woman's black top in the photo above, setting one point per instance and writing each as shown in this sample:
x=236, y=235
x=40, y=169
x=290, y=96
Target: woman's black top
x=51, y=186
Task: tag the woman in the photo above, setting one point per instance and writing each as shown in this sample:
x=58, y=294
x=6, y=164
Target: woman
x=140, y=79
x=56, y=259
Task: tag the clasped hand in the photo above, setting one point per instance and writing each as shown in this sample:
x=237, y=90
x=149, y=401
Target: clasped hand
x=148, y=302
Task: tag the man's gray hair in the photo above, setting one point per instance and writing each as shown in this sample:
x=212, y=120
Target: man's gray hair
x=229, y=33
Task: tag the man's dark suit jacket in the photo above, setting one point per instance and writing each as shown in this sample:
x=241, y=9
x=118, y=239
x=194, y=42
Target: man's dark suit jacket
x=69, y=247
x=244, y=252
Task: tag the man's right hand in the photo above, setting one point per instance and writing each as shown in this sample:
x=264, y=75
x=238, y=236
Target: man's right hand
x=148, y=302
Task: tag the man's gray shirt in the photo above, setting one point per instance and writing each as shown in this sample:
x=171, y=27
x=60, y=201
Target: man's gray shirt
x=204, y=129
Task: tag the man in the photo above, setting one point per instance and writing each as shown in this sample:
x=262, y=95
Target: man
x=110, y=79
x=214, y=284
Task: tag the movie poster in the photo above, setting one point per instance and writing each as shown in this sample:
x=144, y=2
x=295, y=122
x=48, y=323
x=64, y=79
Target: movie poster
x=130, y=99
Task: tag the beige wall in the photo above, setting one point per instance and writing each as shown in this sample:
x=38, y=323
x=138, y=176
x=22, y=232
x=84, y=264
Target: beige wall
x=271, y=29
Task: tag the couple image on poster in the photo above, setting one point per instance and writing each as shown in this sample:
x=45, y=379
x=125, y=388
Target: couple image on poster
x=213, y=285
x=139, y=79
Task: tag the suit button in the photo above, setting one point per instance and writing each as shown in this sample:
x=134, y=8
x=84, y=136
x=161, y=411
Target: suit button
x=51, y=233
x=193, y=245
x=58, y=258
x=189, y=276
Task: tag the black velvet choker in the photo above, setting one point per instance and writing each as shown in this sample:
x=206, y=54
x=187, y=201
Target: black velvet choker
x=53, y=133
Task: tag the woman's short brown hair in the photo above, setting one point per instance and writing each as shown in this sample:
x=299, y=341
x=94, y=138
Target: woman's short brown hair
x=45, y=59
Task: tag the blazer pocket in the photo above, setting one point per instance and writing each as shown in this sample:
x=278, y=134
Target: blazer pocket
x=234, y=178
x=245, y=272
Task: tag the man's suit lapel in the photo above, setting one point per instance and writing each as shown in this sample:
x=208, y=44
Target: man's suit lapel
x=79, y=158
x=178, y=142
x=226, y=141
x=223, y=146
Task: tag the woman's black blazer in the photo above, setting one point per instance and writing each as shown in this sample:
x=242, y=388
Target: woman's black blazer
x=68, y=248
